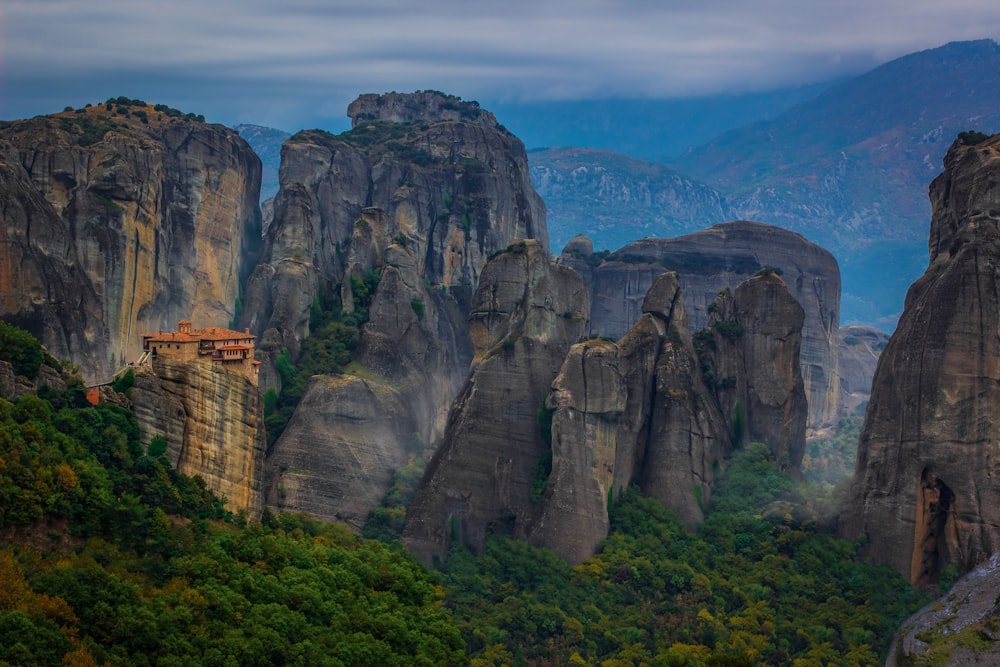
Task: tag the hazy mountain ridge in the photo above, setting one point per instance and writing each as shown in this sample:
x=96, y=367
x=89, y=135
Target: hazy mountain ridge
x=615, y=199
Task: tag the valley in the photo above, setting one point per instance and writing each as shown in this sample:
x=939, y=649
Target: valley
x=496, y=406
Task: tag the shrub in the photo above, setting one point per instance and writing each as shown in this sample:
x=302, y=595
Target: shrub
x=124, y=382
x=20, y=348
x=972, y=137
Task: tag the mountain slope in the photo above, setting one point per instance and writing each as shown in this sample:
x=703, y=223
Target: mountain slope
x=615, y=199
x=850, y=168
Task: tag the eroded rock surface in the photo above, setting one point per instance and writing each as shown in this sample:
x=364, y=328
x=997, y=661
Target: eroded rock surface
x=924, y=494
x=526, y=314
x=860, y=348
x=423, y=190
x=637, y=411
x=114, y=224
x=213, y=422
x=960, y=628
x=722, y=257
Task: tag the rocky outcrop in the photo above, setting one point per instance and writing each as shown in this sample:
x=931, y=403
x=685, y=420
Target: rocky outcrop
x=752, y=346
x=526, y=314
x=429, y=105
x=643, y=410
x=601, y=403
x=721, y=257
x=213, y=423
x=148, y=218
x=453, y=191
x=923, y=494
x=859, y=350
x=40, y=291
x=961, y=628
x=423, y=199
x=336, y=457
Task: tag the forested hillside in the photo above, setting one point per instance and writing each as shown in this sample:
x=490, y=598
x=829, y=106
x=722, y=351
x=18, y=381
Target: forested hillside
x=107, y=556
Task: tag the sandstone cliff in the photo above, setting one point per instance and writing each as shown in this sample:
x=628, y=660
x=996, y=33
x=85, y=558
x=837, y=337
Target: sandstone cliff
x=212, y=420
x=752, y=346
x=455, y=191
x=641, y=410
x=722, y=257
x=859, y=350
x=601, y=402
x=923, y=494
x=526, y=314
x=423, y=190
x=116, y=222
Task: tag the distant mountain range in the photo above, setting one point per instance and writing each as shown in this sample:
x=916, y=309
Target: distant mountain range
x=849, y=169
x=846, y=164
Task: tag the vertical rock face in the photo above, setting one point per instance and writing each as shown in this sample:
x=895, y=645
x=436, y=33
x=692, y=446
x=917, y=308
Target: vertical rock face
x=771, y=381
x=601, y=401
x=40, y=290
x=722, y=257
x=637, y=411
x=526, y=314
x=457, y=191
x=423, y=189
x=860, y=348
x=151, y=218
x=213, y=422
x=924, y=494
x=689, y=439
x=336, y=457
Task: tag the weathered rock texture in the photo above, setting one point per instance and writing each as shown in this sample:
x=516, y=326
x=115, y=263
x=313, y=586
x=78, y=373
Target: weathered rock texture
x=753, y=351
x=859, y=350
x=639, y=411
x=719, y=257
x=336, y=456
x=213, y=422
x=526, y=314
x=424, y=188
x=421, y=105
x=959, y=629
x=112, y=226
x=455, y=191
x=924, y=492
x=602, y=400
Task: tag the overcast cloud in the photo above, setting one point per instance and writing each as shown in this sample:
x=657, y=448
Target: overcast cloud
x=298, y=63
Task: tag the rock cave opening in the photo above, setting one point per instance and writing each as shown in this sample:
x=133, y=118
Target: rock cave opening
x=935, y=520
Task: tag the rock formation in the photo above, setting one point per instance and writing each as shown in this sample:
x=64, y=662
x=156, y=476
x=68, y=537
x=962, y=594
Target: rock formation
x=859, y=350
x=601, y=402
x=637, y=411
x=418, y=106
x=959, y=629
x=122, y=221
x=719, y=257
x=423, y=189
x=454, y=191
x=213, y=423
x=924, y=494
x=526, y=314
x=755, y=341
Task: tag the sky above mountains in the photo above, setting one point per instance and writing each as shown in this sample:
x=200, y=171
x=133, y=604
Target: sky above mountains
x=298, y=63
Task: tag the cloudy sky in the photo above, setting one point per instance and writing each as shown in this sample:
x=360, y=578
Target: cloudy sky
x=297, y=63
